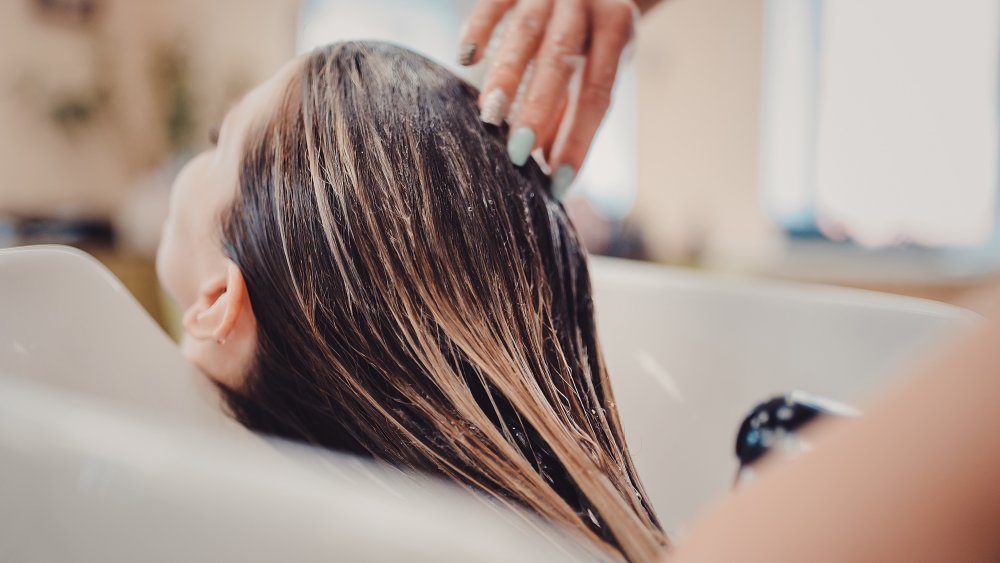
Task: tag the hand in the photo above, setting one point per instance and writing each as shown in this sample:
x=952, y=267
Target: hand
x=559, y=37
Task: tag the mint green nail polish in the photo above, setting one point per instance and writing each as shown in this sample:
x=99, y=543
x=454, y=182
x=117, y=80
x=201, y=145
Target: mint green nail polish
x=563, y=177
x=522, y=140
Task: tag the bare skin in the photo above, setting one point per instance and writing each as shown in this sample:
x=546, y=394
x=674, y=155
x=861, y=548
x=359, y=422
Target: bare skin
x=558, y=36
x=219, y=325
x=914, y=480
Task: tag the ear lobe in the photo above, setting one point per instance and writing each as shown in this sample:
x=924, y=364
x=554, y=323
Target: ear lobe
x=221, y=302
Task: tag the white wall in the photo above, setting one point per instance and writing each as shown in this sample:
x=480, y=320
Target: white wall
x=699, y=96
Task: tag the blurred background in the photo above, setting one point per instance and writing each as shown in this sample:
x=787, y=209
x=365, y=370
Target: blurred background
x=851, y=142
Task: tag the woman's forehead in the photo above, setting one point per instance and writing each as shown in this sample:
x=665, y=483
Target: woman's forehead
x=264, y=97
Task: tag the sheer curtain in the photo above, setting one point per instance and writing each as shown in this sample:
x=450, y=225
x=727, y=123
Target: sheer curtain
x=879, y=120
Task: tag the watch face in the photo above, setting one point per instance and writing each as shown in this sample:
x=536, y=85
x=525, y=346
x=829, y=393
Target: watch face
x=773, y=425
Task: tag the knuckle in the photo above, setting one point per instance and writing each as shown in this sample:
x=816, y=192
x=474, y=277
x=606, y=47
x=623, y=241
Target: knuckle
x=596, y=97
x=555, y=64
x=566, y=43
x=604, y=77
x=557, y=60
x=530, y=27
x=529, y=22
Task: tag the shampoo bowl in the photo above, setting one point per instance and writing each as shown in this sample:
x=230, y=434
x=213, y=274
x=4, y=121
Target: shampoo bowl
x=112, y=448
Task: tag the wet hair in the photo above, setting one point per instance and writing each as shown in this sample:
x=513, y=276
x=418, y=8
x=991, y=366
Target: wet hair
x=422, y=301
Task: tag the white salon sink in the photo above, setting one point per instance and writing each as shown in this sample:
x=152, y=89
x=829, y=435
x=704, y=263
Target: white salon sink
x=690, y=353
x=88, y=383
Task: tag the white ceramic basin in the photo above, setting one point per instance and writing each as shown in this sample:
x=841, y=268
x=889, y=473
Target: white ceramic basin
x=84, y=480
x=690, y=354
x=113, y=448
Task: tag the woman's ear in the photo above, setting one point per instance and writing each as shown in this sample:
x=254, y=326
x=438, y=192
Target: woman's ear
x=220, y=328
x=221, y=303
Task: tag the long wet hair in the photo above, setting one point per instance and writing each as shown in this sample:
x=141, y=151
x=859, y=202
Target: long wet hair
x=422, y=301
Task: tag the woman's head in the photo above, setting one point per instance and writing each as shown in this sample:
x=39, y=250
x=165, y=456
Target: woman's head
x=384, y=281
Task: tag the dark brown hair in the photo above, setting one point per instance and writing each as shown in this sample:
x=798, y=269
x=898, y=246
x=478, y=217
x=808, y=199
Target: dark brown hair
x=422, y=301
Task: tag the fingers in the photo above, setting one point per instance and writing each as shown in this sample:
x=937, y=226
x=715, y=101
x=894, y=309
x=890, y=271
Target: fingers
x=478, y=29
x=561, y=47
x=612, y=28
x=554, y=35
x=548, y=139
x=521, y=39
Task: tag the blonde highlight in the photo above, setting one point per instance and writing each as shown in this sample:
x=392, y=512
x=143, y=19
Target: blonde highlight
x=430, y=306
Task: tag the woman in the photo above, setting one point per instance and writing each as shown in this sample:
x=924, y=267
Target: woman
x=362, y=268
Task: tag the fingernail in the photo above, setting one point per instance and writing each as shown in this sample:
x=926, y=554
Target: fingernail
x=466, y=53
x=562, y=179
x=494, y=107
x=522, y=140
